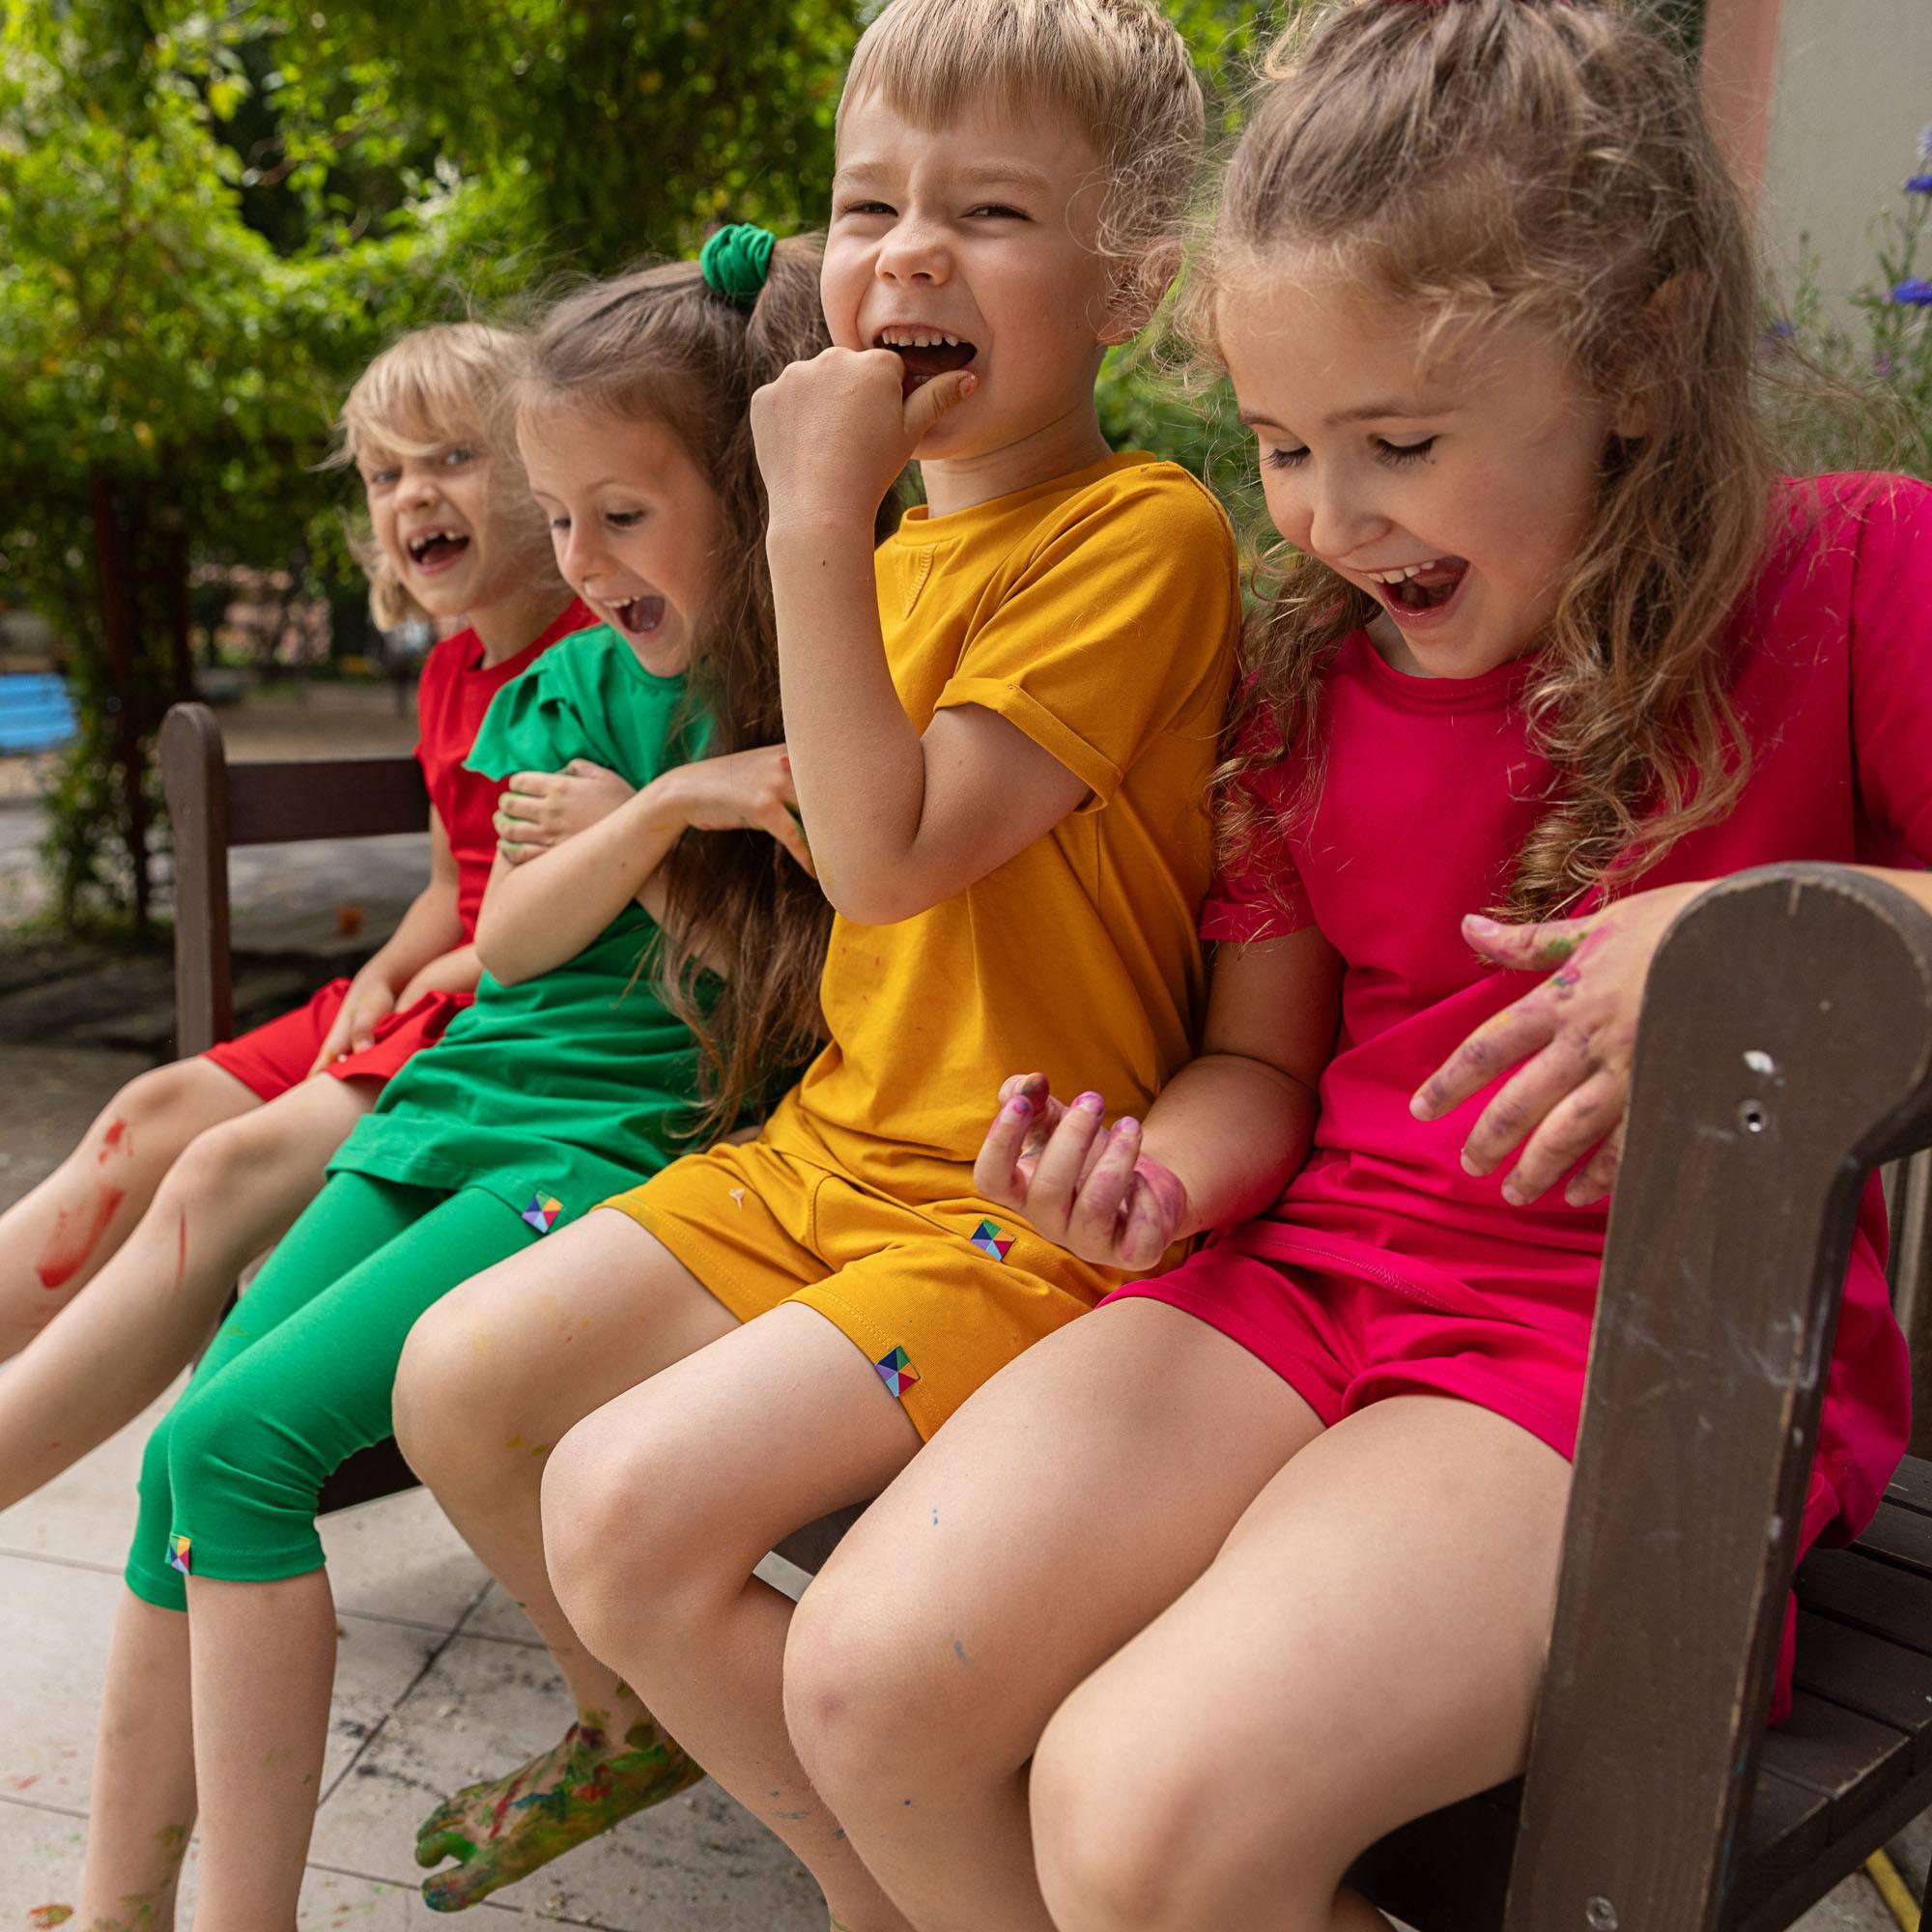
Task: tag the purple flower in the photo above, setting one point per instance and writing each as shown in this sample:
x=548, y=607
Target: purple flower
x=1920, y=184
x=1913, y=293
x=1925, y=142
x=1883, y=364
x=1774, y=338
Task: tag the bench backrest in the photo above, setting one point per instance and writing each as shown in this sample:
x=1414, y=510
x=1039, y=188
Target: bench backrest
x=214, y=806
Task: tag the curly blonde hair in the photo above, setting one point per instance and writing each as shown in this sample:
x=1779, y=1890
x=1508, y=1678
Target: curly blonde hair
x=443, y=384
x=1539, y=161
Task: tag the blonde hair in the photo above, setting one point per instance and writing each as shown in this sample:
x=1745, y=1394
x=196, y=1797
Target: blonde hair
x=435, y=386
x=1538, y=160
x=1117, y=68
x=657, y=345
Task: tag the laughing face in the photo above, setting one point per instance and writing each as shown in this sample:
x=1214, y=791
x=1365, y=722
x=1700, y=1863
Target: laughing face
x=634, y=525
x=441, y=518
x=973, y=245
x=1454, y=488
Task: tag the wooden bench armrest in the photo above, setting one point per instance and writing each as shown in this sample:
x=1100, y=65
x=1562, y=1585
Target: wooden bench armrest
x=1785, y=1049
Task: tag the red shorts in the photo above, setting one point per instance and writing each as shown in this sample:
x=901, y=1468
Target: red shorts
x=1342, y=1343
x=273, y=1057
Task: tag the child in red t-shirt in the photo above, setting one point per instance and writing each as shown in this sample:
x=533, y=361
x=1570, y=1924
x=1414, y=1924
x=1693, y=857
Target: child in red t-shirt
x=1210, y=1590
x=194, y=1169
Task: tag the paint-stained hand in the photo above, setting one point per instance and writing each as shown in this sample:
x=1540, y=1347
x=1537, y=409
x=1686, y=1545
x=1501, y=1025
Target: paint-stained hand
x=1571, y=1039
x=543, y=809
x=366, y=1004
x=1081, y=1183
x=832, y=432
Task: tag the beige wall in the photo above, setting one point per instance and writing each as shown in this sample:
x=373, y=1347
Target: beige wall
x=1850, y=89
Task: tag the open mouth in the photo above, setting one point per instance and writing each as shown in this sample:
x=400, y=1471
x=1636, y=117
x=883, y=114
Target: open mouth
x=926, y=352
x=431, y=550
x=1416, y=588
x=639, y=617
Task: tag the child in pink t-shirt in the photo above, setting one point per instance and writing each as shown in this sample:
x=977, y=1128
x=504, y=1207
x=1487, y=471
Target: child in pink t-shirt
x=1210, y=1591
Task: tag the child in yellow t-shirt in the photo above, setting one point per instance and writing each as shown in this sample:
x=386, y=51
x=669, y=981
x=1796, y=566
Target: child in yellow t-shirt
x=1001, y=729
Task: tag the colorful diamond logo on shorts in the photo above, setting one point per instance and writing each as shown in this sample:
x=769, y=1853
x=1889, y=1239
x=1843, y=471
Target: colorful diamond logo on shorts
x=988, y=1240
x=542, y=1212
x=179, y=1557
x=897, y=1371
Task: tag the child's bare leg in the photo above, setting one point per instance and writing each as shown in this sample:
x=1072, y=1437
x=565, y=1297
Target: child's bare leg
x=1069, y=1502
x=265, y=1663
x=1366, y=1647
x=143, y=1805
x=54, y=1239
x=658, y=1508
x=491, y=1379
x=229, y=1195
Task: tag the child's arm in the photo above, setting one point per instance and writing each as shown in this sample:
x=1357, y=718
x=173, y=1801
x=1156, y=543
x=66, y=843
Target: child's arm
x=898, y=821
x=1571, y=1038
x=429, y=930
x=548, y=908
x=1219, y=1144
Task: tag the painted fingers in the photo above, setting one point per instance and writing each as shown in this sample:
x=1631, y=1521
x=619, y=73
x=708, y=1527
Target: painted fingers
x=1080, y=1182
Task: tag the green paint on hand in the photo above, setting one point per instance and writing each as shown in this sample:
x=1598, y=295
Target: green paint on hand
x=506, y=1828
x=44, y=1916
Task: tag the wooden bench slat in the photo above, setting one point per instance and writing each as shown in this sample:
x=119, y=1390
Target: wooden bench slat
x=325, y=798
x=1901, y=1535
x=1853, y=1760
x=1860, y=1590
x=1912, y=1488
x=1783, y=1832
x=1865, y=1674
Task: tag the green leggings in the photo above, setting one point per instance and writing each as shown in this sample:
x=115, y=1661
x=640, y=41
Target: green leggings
x=299, y=1378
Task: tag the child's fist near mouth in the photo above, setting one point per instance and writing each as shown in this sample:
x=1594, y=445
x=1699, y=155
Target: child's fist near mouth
x=834, y=433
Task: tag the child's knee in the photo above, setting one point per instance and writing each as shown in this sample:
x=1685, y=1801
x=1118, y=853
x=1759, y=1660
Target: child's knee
x=879, y=1706
x=1124, y=1826
x=627, y=1540
x=452, y=1392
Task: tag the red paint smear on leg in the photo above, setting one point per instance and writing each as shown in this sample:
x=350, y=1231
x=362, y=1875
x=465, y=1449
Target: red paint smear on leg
x=180, y=1258
x=66, y=1256
x=111, y=1139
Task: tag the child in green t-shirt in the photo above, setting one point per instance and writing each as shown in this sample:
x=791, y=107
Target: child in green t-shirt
x=651, y=961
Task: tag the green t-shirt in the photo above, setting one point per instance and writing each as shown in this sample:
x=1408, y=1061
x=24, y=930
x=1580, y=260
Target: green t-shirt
x=555, y=1093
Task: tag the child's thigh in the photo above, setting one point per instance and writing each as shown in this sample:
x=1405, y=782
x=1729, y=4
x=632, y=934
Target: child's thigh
x=1366, y=1647
x=541, y=1340
x=1070, y=1500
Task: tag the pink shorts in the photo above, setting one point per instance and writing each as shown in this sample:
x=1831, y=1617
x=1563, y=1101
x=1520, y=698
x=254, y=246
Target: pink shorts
x=1342, y=1343
x=271, y=1059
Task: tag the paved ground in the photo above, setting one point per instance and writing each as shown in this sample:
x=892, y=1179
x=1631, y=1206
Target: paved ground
x=439, y=1679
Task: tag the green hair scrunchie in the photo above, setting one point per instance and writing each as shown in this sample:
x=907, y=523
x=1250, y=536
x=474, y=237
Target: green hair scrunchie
x=736, y=261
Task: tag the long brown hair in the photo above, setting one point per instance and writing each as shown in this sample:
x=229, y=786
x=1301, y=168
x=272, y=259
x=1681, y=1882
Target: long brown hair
x=1542, y=160
x=657, y=345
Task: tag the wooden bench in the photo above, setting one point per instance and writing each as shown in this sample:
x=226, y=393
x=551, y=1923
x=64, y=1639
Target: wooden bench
x=1786, y=1051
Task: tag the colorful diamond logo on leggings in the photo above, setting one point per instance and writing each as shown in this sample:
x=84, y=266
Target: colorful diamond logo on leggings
x=897, y=1371
x=542, y=1212
x=988, y=1240
x=178, y=1555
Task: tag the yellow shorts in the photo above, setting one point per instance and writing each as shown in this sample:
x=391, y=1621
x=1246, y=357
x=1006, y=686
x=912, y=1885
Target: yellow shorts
x=938, y=1297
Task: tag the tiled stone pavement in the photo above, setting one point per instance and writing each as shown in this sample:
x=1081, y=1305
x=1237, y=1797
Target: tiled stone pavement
x=440, y=1681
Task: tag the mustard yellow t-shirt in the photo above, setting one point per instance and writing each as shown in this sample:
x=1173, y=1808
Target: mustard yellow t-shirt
x=1098, y=615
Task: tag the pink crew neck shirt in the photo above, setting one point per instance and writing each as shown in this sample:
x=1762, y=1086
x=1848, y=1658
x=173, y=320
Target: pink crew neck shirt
x=1428, y=789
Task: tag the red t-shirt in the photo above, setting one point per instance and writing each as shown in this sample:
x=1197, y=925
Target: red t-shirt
x=453, y=693
x=1429, y=788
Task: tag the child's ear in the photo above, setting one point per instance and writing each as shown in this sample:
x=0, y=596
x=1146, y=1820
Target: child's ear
x=1138, y=288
